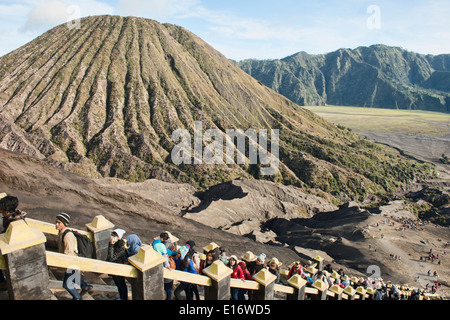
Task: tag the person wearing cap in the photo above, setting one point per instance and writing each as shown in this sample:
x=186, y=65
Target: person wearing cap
x=184, y=263
x=258, y=264
x=274, y=268
x=9, y=211
x=170, y=241
x=254, y=263
x=117, y=249
x=67, y=244
x=159, y=247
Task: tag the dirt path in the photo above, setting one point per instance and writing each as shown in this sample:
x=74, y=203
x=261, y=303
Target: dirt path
x=422, y=147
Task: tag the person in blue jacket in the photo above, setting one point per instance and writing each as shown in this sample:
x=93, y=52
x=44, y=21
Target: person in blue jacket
x=184, y=263
x=134, y=244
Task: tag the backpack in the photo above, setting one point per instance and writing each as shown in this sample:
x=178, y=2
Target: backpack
x=84, y=245
x=172, y=264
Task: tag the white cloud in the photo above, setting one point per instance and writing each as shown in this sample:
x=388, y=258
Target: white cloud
x=252, y=29
x=47, y=14
x=155, y=9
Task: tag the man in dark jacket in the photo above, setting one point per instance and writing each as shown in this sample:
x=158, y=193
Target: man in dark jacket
x=8, y=209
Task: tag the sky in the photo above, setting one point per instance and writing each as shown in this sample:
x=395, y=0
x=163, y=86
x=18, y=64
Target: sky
x=249, y=29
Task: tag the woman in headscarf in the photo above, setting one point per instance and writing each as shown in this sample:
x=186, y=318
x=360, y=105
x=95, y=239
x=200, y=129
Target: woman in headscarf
x=117, y=253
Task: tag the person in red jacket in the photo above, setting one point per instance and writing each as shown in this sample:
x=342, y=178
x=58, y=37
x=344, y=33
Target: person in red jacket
x=296, y=268
x=236, y=274
x=247, y=276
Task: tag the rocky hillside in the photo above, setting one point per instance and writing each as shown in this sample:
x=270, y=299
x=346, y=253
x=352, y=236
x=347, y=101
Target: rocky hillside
x=105, y=99
x=44, y=191
x=375, y=76
x=281, y=221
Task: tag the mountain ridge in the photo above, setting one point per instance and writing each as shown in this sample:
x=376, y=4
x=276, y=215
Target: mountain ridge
x=375, y=76
x=104, y=100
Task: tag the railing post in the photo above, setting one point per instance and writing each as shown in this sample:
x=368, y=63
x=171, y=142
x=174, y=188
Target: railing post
x=101, y=232
x=220, y=278
x=322, y=287
x=350, y=292
x=149, y=285
x=371, y=292
x=311, y=270
x=337, y=290
x=319, y=261
x=299, y=285
x=361, y=292
x=266, y=291
x=26, y=265
x=335, y=275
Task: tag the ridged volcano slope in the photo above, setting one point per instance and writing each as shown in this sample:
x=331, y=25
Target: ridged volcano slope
x=105, y=99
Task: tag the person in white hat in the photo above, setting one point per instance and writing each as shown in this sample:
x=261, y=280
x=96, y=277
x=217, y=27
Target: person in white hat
x=256, y=265
x=117, y=253
x=274, y=268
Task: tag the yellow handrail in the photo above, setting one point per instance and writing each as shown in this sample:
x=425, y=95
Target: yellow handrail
x=187, y=277
x=98, y=266
x=90, y=265
x=285, y=289
x=244, y=284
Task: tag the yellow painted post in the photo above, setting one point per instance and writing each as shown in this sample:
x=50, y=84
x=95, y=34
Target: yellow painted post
x=361, y=292
x=311, y=270
x=337, y=290
x=350, y=292
x=266, y=279
x=220, y=280
x=23, y=249
x=210, y=247
x=335, y=275
x=319, y=261
x=299, y=285
x=149, y=284
x=371, y=292
x=101, y=232
x=322, y=288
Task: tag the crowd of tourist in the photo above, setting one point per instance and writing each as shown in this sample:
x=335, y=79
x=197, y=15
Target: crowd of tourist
x=184, y=257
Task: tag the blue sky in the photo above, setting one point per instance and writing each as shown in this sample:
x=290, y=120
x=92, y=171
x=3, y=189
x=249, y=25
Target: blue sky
x=254, y=29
